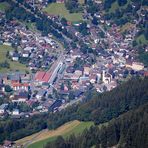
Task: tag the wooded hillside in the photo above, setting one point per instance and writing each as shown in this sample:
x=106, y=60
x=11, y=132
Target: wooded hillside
x=129, y=130
x=99, y=108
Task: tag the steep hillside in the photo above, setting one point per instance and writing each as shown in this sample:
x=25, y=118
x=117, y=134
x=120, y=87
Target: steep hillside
x=74, y=127
x=103, y=107
x=99, y=109
x=129, y=130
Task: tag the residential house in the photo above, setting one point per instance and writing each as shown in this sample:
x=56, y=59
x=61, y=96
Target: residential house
x=16, y=112
x=20, y=86
x=25, y=54
x=8, y=144
x=3, y=108
x=21, y=97
x=15, y=57
x=41, y=93
x=55, y=105
x=77, y=93
x=86, y=70
x=93, y=78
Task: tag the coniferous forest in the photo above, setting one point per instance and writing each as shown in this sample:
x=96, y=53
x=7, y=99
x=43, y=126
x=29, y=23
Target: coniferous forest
x=130, y=98
x=129, y=130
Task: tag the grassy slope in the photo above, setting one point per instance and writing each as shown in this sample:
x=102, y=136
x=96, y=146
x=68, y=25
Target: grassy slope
x=60, y=9
x=84, y=125
x=3, y=6
x=116, y=6
x=72, y=129
x=13, y=65
x=76, y=129
x=41, y=138
x=142, y=40
x=126, y=27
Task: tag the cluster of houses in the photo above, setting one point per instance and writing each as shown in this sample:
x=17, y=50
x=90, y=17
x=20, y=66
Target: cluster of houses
x=33, y=50
x=25, y=89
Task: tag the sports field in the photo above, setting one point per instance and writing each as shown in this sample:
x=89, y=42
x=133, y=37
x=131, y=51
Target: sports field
x=60, y=9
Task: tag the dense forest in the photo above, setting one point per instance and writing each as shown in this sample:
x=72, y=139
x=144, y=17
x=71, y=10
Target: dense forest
x=103, y=107
x=129, y=130
x=99, y=108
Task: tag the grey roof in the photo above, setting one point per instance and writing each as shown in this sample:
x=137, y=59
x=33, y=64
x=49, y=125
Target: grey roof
x=4, y=106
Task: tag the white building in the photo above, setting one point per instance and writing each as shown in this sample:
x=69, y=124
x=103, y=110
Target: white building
x=3, y=108
x=15, y=112
x=106, y=77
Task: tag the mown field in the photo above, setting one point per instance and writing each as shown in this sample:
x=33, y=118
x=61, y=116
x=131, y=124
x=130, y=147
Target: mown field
x=3, y=6
x=60, y=9
x=38, y=140
x=13, y=65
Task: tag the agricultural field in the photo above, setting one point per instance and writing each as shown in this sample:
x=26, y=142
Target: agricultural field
x=3, y=6
x=13, y=65
x=60, y=9
x=38, y=140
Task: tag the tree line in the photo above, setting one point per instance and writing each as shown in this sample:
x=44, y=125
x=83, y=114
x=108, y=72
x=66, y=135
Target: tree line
x=129, y=130
x=98, y=108
x=101, y=108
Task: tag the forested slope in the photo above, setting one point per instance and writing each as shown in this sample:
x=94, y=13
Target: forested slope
x=127, y=131
x=99, y=108
x=103, y=107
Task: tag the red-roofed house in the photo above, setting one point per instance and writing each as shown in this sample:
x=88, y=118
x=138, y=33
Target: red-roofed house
x=146, y=73
x=20, y=86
